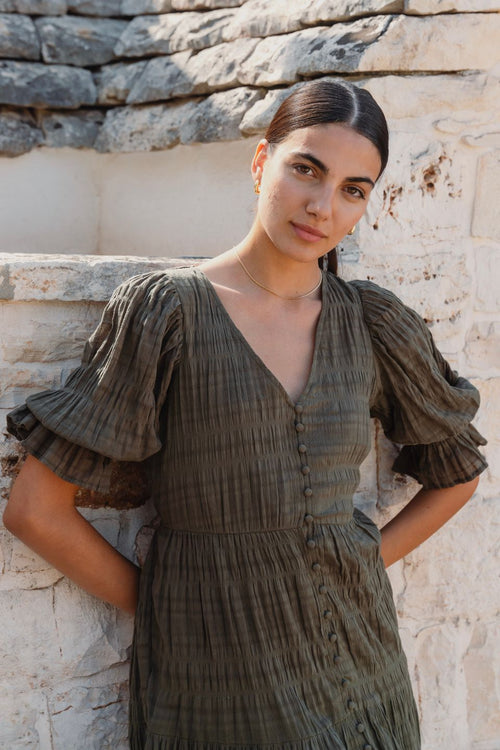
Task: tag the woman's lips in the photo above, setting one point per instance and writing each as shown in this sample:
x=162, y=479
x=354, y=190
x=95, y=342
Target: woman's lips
x=308, y=233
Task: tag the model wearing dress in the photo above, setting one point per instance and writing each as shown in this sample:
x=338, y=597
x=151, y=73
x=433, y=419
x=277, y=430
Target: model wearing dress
x=265, y=617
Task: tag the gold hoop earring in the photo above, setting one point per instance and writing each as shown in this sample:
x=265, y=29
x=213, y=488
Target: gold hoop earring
x=351, y=231
x=256, y=187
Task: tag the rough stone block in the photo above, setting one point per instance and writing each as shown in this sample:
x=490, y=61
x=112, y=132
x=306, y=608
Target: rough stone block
x=259, y=18
x=172, y=32
x=138, y=7
x=96, y=7
x=97, y=716
x=428, y=7
x=19, y=132
x=486, y=219
x=95, y=640
x=79, y=41
x=380, y=43
x=18, y=38
x=163, y=78
x=482, y=667
x=441, y=685
x=483, y=347
x=436, y=286
x=219, y=116
x=78, y=130
x=23, y=711
x=115, y=81
x=27, y=84
x=29, y=644
x=205, y=4
x=423, y=199
x=154, y=127
x=34, y=7
x=16, y=385
x=70, y=278
x=487, y=296
x=468, y=97
x=185, y=74
x=465, y=548
x=57, y=333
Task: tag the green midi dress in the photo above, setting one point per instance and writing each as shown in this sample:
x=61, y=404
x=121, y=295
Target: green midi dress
x=265, y=617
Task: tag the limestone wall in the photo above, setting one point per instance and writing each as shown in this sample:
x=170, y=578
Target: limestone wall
x=63, y=654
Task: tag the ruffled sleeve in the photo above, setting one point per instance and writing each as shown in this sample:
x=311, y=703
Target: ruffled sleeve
x=420, y=401
x=109, y=408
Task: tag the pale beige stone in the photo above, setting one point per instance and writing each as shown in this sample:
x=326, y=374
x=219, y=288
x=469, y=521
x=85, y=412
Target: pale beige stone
x=482, y=677
x=67, y=278
x=427, y=7
x=487, y=297
x=440, y=685
x=486, y=220
x=483, y=347
x=96, y=715
x=454, y=573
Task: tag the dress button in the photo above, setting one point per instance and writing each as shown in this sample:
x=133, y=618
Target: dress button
x=344, y=682
x=308, y=518
x=360, y=727
x=367, y=747
x=351, y=704
x=322, y=589
x=299, y=427
x=308, y=492
x=332, y=637
x=336, y=659
x=302, y=448
x=299, y=408
x=328, y=614
x=316, y=566
x=311, y=543
x=305, y=470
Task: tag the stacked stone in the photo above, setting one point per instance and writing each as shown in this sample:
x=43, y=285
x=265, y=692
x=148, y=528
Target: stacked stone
x=142, y=75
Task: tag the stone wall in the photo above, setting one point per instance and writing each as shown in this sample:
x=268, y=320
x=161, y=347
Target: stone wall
x=64, y=654
x=93, y=100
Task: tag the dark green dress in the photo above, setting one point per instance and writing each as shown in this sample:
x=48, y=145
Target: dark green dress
x=266, y=618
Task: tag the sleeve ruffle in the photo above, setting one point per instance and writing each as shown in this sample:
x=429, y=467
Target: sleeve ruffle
x=420, y=401
x=109, y=408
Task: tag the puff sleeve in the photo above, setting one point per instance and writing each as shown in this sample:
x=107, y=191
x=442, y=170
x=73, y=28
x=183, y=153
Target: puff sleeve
x=420, y=401
x=109, y=408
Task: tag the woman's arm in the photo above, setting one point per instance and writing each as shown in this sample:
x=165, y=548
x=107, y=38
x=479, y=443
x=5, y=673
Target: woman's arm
x=42, y=513
x=423, y=515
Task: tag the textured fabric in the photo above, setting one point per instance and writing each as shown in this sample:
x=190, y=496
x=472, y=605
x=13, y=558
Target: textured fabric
x=265, y=617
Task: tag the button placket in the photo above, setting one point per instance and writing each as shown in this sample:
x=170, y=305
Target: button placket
x=311, y=543
x=307, y=491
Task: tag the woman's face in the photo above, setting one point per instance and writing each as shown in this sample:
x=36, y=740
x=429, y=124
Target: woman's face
x=314, y=187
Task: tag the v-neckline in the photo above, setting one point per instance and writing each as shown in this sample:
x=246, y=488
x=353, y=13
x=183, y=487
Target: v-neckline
x=244, y=341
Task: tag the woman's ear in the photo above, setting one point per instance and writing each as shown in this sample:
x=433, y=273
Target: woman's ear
x=259, y=159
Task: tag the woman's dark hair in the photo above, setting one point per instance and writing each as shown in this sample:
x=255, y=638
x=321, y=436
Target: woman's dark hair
x=324, y=101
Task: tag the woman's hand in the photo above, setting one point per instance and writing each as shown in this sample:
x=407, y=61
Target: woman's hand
x=423, y=515
x=42, y=513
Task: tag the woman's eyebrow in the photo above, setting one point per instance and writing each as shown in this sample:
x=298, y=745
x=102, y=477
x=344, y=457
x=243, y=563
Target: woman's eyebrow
x=312, y=159
x=323, y=168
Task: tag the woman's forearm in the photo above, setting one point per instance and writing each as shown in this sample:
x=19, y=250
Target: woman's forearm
x=41, y=512
x=423, y=516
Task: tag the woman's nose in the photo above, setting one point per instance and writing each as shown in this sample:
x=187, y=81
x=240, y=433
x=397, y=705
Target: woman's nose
x=320, y=204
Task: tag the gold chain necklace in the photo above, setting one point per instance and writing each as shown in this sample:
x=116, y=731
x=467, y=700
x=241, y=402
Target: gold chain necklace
x=271, y=291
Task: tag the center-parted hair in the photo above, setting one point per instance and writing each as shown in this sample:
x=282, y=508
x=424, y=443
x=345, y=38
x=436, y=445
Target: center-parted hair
x=327, y=101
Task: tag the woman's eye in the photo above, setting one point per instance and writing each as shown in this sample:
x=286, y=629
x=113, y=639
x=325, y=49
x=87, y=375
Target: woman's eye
x=303, y=169
x=355, y=191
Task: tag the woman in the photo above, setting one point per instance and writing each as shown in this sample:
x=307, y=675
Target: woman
x=265, y=616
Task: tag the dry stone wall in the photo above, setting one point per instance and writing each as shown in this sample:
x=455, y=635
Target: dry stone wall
x=141, y=76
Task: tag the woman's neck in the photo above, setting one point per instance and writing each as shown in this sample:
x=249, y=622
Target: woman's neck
x=273, y=270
